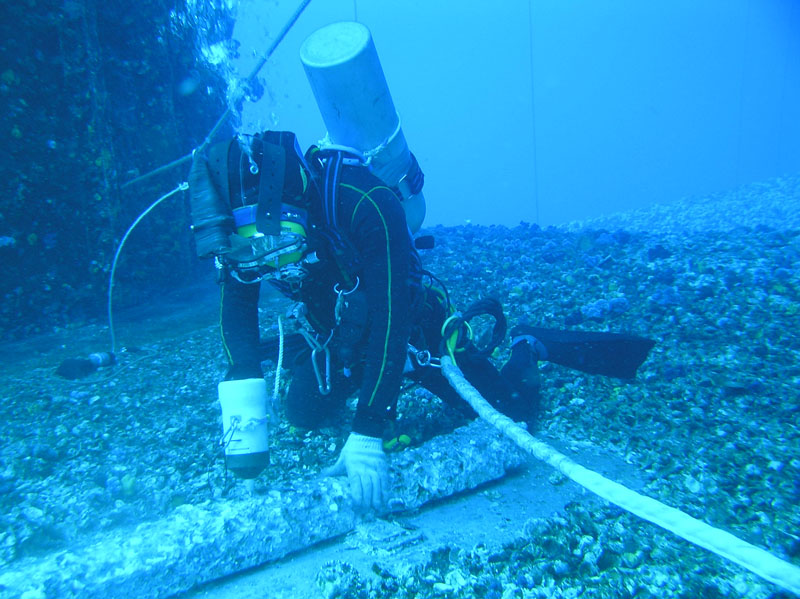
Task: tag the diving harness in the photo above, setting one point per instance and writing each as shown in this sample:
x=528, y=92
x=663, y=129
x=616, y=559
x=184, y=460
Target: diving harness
x=267, y=238
x=328, y=163
x=349, y=315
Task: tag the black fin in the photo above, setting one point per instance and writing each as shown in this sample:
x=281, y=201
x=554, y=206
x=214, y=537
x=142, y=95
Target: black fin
x=609, y=354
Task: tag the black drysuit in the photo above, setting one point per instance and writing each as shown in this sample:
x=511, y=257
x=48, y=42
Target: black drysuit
x=389, y=307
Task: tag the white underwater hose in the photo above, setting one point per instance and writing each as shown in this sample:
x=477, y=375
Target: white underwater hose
x=181, y=187
x=185, y=186
x=724, y=544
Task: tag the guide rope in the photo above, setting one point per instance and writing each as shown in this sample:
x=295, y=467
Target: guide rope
x=720, y=542
x=272, y=405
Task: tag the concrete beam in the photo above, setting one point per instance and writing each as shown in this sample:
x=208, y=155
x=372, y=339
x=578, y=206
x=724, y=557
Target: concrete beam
x=200, y=543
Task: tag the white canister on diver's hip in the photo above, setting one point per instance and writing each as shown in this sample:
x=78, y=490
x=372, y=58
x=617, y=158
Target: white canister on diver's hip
x=244, y=425
x=345, y=74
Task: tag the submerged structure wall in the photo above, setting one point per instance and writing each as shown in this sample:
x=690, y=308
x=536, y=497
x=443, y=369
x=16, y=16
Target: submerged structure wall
x=95, y=94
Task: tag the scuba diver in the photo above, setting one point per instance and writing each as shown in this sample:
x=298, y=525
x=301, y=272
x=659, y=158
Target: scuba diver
x=327, y=233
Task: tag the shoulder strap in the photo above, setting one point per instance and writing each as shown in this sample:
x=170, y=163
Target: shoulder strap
x=270, y=191
x=342, y=251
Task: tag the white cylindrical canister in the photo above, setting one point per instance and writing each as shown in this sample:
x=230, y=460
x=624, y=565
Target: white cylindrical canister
x=345, y=74
x=244, y=425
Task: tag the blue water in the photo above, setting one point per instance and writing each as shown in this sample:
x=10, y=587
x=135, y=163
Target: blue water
x=551, y=111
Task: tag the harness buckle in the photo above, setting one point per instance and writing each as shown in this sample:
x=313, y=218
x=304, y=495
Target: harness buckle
x=323, y=384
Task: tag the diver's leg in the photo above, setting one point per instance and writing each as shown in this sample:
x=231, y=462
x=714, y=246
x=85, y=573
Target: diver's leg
x=522, y=369
x=520, y=403
x=488, y=381
x=306, y=406
x=432, y=379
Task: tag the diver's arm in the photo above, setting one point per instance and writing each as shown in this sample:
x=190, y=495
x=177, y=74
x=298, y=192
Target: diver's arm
x=239, y=329
x=378, y=229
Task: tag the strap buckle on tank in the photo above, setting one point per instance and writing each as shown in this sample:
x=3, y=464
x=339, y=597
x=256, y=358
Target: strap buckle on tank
x=350, y=156
x=412, y=182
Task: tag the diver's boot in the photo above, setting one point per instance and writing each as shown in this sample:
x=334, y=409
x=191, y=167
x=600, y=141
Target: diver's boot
x=522, y=372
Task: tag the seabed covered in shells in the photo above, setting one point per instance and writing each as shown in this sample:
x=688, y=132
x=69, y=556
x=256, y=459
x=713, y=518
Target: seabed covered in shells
x=115, y=487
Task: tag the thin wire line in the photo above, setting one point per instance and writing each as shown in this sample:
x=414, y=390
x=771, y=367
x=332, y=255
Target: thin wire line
x=533, y=114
